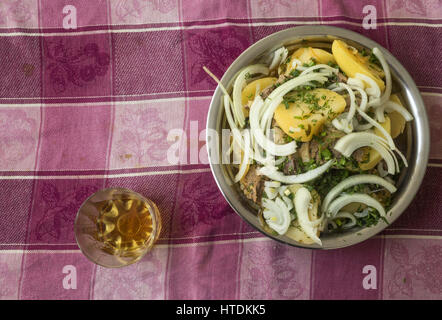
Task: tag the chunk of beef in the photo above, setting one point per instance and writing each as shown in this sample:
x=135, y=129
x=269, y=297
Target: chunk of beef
x=252, y=184
x=315, y=146
x=282, y=78
x=314, y=149
x=360, y=155
x=291, y=165
x=279, y=136
x=267, y=91
x=304, y=151
x=342, y=77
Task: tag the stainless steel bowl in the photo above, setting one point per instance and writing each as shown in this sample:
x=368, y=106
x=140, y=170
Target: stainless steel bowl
x=416, y=138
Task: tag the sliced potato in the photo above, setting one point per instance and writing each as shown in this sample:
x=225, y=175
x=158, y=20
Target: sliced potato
x=295, y=232
x=374, y=156
x=306, y=54
x=248, y=93
x=321, y=56
x=351, y=62
x=301, y=120
x=397, y=120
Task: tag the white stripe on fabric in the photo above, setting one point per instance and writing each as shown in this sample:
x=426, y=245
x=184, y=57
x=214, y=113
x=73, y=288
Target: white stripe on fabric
x=219, y=25
x=221, y=242
x=105, y=176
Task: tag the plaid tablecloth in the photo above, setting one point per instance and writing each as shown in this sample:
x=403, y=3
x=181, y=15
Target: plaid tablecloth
x=89, y=108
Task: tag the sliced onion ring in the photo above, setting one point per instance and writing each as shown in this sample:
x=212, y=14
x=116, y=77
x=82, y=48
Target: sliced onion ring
x=273, y=174
x=346, y=199
x=355, y=180
x=239, y=85
x=302, y=202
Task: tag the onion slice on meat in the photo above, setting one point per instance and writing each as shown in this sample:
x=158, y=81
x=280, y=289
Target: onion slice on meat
x=330, y=70
x=347, y=215
x=270, y=192
x=391, y=106
x=246, y=157
x=373, y=122
x=273, y=174
x=374, y=89
x=381, y=170
x=346, y=124
x=364, y=97
x=258, y=134
x=352, y=181
x=355, y=82
x=386, y=96
x=302, y=203
x=237, y=137
x=227, y=106
x=238, y=86
x=346, y=199
x=279, y=56
x=272, y=184
x=276, y=214
x=350, y=142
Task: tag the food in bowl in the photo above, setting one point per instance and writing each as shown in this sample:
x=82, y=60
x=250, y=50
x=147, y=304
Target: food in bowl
x=314, y=135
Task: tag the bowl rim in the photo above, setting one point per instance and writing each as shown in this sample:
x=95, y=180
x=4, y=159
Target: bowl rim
x=420, y=128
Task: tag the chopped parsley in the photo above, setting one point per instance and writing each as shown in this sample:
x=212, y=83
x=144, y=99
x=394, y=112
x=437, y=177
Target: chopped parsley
x=373, y=59
x=326, y=154
x=371, y=219
x=295, y=73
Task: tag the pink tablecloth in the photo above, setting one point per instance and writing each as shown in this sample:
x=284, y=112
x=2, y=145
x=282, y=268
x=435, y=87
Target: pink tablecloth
x=90, y=108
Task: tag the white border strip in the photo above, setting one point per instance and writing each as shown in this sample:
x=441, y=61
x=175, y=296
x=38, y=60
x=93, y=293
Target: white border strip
x=221, y=242
x=219, y=25
x=111, y=96
x=416, y=237
x=431, y=94
x=119, y=103
x=105, y=103
x=124, y=175
x=106, y=176
x=230, y=18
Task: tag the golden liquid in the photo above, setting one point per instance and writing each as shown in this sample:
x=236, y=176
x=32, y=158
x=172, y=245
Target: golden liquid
x=124, y=226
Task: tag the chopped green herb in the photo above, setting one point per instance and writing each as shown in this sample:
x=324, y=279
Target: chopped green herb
x=295, y=73
x=326, y=154
x=373, y=59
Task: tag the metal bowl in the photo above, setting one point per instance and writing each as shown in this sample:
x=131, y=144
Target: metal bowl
x=415, y=140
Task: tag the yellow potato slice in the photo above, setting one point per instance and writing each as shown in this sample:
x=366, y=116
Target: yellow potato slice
x=351, y=62
x=301, y=120
x=295, y=232
x=305, y=55
x=397, y=120
x=248, y=93
x=375, y=157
